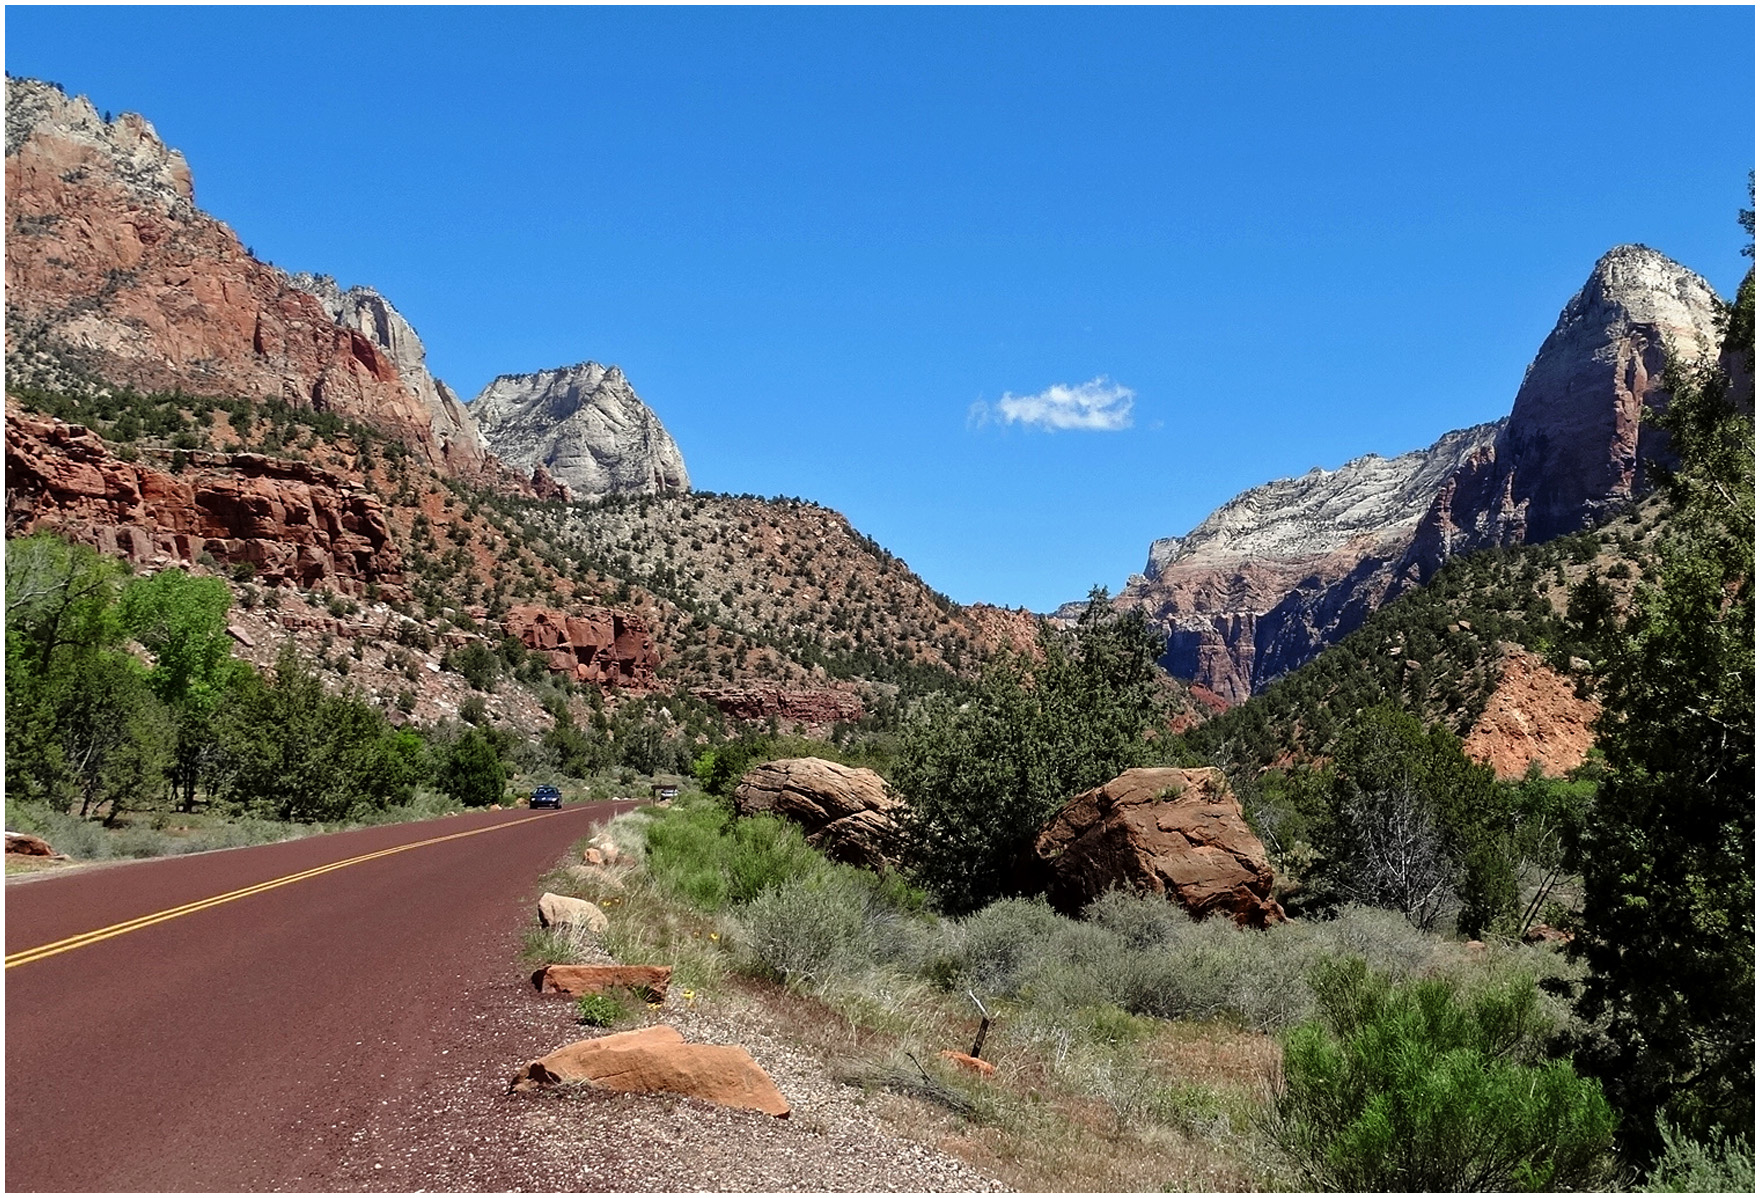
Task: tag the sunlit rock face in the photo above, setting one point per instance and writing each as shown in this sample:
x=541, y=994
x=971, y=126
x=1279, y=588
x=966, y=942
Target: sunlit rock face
x=1281, y=571
x=586, y=426
x=114, y=273
x=366, y=311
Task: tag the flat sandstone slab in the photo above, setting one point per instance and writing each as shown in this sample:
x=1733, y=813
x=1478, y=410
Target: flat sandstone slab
x=650, y=981
x=654, y=1060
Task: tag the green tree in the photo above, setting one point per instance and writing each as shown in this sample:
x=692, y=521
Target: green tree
x=982, y=777
x=287, y=750
x=181, y=621
x=1414, y=819
x=1668, y=850
x=84, y=733
x=471, y=771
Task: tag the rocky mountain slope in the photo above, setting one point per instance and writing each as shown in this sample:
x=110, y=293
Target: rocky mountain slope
x=365, y=310
x=586, y=427
x=113, y=273
x=1281, y=571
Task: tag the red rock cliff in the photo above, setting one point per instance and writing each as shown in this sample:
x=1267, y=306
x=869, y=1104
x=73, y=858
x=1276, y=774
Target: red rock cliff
x=294, y=522
x=597, y=645
x=112, y=269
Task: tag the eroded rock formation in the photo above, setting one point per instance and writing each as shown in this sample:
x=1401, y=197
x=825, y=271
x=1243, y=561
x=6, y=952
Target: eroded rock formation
x=814, y=709
x=1283, y=570
x=113, y=272
x=1173, y=832
x=1533, y=715
x=847, y=813
x=586, y=426
x=597, y=645
x=366, y=311
x=292, y=521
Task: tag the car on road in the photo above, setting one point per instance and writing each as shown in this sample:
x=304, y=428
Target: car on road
x=547, y=796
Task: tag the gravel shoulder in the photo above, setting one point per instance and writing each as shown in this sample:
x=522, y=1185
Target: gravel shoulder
x=459, y=1130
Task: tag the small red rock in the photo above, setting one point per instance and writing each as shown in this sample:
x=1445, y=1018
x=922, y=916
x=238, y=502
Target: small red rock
x=648, y=981
x=970, y=1063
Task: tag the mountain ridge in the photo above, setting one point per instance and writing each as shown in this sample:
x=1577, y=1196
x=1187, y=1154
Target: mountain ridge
x=1284, y=569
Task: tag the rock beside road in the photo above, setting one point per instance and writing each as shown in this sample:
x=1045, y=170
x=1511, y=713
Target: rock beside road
x=1173, y=832
x=657, y=1059
x=848, y=814
x=555, y=910
x=647, y=981
x=23, y=844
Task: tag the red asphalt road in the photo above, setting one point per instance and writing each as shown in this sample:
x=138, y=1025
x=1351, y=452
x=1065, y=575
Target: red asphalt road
x=198, y=1053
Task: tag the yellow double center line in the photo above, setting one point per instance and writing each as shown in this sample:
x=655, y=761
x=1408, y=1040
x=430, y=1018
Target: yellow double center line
x=26, y=956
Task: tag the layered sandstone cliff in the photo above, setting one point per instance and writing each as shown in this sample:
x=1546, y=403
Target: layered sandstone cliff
x=1283, y=570
x=598, y=645
x=586, y=427
x=113, y=272
x=290, y=521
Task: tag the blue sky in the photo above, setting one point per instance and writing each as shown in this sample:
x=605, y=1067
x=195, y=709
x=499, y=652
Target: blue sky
x=836, y=249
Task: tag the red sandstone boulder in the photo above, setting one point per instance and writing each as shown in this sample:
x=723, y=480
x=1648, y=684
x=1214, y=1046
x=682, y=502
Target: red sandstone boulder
x=648, y=981
x=1173, y=832
x=969, y=1063
x=23, y=844
x=848, y=814
x=655, y=1060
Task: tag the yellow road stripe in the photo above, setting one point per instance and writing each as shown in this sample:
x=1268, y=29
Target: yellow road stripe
x=26, y=956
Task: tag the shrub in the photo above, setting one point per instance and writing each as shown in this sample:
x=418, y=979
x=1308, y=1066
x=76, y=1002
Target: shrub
x=1690, y=1167
x=808, y=930
x=598, y=1010
x=1419, y=1087
x=471, y=771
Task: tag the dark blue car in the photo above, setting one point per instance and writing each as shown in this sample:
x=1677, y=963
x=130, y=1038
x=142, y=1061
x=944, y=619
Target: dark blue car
x=547, y=796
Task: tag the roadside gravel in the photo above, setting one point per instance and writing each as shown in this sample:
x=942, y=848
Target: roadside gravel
x=451, y=1126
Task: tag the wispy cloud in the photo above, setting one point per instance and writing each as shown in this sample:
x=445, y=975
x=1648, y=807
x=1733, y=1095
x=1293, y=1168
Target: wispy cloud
x=1098, y=405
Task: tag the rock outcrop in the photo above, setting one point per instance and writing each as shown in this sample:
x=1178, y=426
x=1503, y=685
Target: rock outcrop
x=1533, y=716
x=847, y=813
x=585, y=426
x=656, y=1060
x=1574, y=447
x=1283, y=570
x=1173, y=832
x=597, y=645
x=814, y=709
x=113, y=272
x=366, y=311
x=291, y=521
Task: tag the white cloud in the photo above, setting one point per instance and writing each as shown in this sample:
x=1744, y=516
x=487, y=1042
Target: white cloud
x=1098, y=405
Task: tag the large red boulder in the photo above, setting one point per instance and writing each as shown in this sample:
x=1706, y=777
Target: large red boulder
x=847, y=813
x=1174, y=832
x=655, y=1060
